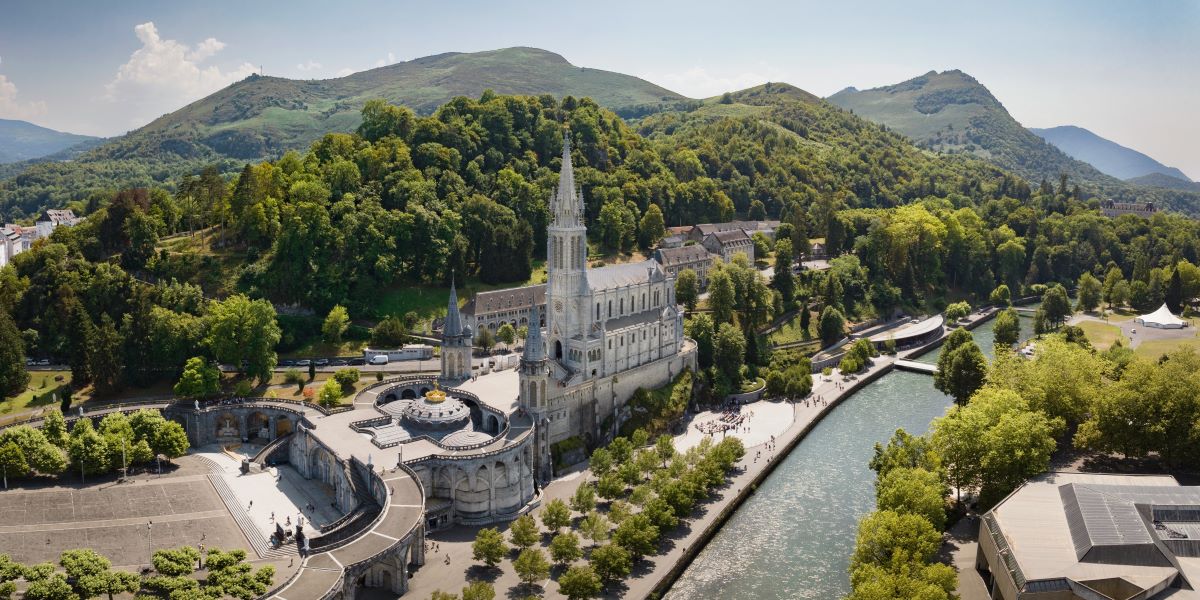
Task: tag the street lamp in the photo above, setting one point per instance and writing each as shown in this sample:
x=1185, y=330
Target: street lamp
x=150, y=540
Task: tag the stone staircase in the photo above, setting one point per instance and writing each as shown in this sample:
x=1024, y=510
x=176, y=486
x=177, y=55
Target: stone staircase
x=260, y=543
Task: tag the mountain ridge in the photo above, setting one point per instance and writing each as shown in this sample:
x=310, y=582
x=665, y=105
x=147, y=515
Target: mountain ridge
x=1106, y=155
x=22, y=140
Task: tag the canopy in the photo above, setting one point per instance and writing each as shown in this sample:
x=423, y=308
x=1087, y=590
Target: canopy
x=1161, y=318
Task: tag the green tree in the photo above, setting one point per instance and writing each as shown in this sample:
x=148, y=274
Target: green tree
x=13, y=376
x=1007, y=328
x=783, y=279
x=484, y=339
x=506, y=334
x=1090, y=291
x=886, y=537
x=579, y=582
x=702, y=330
x=54, y=427
x=523, y=532
x=594, y=527
x=957, y=311
x=389, y=333
x=335, y=325
x=1056, y=305
x=93, y=576
x=721, y=295
x=904, y=451
x=611, y=562
x=584, y=499
x=913, y=490
x=88, y=450
x=330, y=394
x=531, y=566
x=53, y=587
x=966, y=371
x=478, y=590
x=612, y=485
x=104, y=357
x=241, y=329
x=12, y=462
x=651, y=228
x=199, y=379
x=489, y=546
x=564, y=548
x=638, y=535
x=1000, y=296
x=601, y=462
x=687, y=289
x=831, y=326
x=729, y=350
x=230, y=575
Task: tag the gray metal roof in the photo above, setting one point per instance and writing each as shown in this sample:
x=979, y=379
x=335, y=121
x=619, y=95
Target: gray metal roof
x=615, y=276
x=1097, y=518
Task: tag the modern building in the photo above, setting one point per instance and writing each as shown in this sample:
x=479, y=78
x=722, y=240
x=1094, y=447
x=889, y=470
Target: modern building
x=608, y=332
x=727, y=244
x=1096, y=537
x=1116, y=209
x=693, y=256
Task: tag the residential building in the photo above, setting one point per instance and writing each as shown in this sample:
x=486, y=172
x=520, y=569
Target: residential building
x=1116, y=209
x=693, y=256
x=727, y=244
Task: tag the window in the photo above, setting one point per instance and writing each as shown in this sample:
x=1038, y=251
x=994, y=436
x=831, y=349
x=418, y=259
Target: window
x=597, y=311
x=622, y=306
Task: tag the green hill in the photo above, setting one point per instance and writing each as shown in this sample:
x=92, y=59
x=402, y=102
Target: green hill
x=262, y=117
x=1162, y=180
x=21, y=140
x=952, y=112
x=1108, y=156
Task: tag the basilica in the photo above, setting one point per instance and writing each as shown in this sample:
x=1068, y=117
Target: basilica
x=607, y=332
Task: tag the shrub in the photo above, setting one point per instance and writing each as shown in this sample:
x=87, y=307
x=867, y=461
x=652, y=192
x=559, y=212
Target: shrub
x=346, y=377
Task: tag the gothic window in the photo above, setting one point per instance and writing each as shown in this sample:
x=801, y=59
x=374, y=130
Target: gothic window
x=622, y=306
x=597, y=311
x=574, y=255
x=610, y=309
x=643, y=301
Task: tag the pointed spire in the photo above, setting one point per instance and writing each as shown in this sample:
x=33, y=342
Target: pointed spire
x=534, y=349
x=567, y=205
x=453, y=326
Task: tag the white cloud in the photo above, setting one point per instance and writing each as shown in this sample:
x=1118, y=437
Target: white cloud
x=164, y=74
x=311, y=65
x=383, y=62
x=698, y=82
x=12, y=108
x=344, y=71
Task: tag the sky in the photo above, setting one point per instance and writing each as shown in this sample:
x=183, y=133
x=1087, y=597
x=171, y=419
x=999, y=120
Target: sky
x=1128, y=71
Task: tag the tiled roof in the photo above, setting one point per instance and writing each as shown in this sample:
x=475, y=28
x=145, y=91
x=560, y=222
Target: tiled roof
x=670, y=257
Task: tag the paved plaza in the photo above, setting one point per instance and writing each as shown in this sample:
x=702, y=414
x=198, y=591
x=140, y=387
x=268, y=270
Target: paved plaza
x=754, y=424
x=113, y=518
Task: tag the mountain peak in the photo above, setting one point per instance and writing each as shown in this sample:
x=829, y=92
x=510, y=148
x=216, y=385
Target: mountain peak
x=772, y=90
x=1108, y=156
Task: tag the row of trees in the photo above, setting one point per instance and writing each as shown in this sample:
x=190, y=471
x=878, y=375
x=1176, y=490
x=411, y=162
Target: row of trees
x=118, y=442
x=648, y=490
x=87, y=574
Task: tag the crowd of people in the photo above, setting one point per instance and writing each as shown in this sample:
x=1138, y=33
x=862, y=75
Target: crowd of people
x=730, y=420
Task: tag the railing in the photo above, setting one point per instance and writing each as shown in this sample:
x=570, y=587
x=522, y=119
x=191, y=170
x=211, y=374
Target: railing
x=265, y=454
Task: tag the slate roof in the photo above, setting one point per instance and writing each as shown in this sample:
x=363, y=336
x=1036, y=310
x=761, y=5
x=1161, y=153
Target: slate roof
x=670, y=257
x=509, y=299
x=615, y=276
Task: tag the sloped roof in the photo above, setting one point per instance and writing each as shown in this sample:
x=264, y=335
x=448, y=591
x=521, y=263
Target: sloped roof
x=615, y=276
x=731, y=236
x=1162, y=316
x=682, y=255
x=508, y=299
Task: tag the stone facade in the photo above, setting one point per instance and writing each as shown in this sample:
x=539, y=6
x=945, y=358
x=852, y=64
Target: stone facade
x=693, y=256
x=727, y=244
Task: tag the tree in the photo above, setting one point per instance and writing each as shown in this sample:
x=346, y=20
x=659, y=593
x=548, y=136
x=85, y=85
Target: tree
x=523, y=532
x=957, y=311
x=241, y=329
x=579, y=582
x=886, y=537
x=484, y=339
x=169, y=439
x=479, y=590
x=506, y=334
x=612, y=485
x=531, y=566
x=1000, y=296
x=389, y=333
x=1090, y=291
x=199, y=379
x=721, y=295
x=104, y=357
x=638, y=535
x=489, y=546
x=1111, y=278
x=601, y=462
x=1007, y=328
x=13, y=376
x=88, y=450
x=1174, y=294
x=782, y=279
x=651, y=228
x=687, y=289
x=966, y=373
x=594, y=527
x=564, y=548
x=729, y=350
x=611, y=562
x=831, y=326
x=1056, y=305
x=584, y=499
x=53, y=587
x=702, y=330
x=93, y=576
x=913, y=490
x=336, y=323
x=664, y=447
x=330, y=394
x=230, y=575
x=904, y=450
x=12, y=462
x=54, y=427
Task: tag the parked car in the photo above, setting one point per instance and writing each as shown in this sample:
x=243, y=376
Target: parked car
x=339, y=362
x=287, y=363
x=354, y=362
x=43, y=363
x=303, y=363
x=29, y=362
x=321, y=362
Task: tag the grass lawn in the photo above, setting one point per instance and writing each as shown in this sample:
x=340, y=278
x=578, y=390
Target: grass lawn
x=791, y=331
x=751, y=385
x=318, y=347
x=429, y=301
x=39, y=392
x=1153, y=349
x=1120, y=315
x=1102, y=335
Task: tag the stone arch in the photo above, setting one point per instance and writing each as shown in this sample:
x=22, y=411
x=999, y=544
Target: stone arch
x=424, y=390
x=227, y=426
x=258, y=425
x=558, y=349
x=283, y=426
x=389, y=397
x=408, y=394
x=493, y=424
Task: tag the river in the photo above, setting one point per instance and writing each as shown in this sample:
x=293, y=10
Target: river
x=793, y=538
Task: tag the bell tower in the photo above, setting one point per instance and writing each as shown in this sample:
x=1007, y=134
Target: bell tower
x=566, y=278
x=456, y=342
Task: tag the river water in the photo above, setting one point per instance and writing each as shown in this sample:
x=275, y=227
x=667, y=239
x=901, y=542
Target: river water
x=793, y=538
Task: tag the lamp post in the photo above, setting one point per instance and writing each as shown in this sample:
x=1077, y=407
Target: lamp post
x=150, y=540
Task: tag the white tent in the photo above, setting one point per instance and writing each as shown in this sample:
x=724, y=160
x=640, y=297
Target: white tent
x=1161, y=318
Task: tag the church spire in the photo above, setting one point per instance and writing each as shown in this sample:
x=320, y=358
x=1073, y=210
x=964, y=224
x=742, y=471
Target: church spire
x=567, y=207
x=535, y=350
x=453, y=326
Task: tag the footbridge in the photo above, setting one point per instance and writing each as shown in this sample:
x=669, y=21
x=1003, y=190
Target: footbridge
x=916, y=367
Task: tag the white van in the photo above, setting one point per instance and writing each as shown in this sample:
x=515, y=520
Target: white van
x=378, y=359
